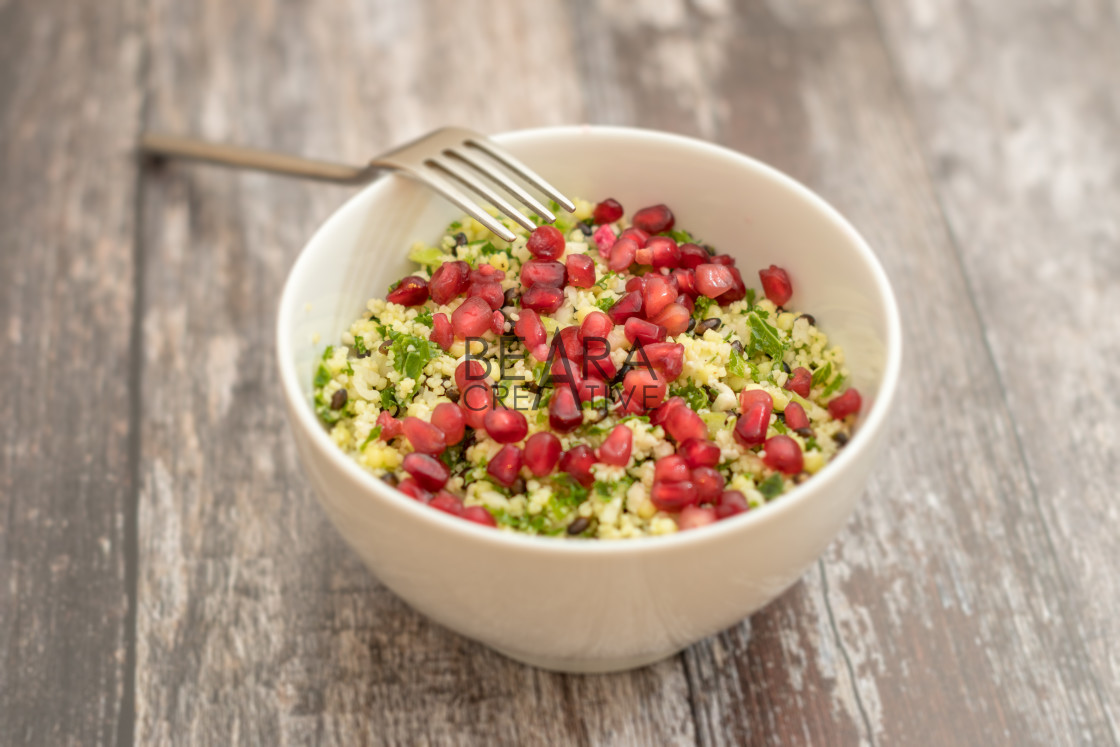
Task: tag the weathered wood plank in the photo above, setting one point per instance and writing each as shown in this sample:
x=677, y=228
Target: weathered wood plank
x=69, y=112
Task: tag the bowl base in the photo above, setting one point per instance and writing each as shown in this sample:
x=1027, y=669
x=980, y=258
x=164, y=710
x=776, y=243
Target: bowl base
x=586, y=666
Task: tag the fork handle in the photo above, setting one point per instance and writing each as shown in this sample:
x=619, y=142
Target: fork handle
x=174, y=146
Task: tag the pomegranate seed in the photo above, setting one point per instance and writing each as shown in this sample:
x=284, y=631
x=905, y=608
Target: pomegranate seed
x=636, y=283
x=749, y=397
x=390, y=426
x=542, y=450
x=430, y=472
x=672, y=468
x=490, y=292
x=471, y=318
x=750, y=429
x=694, y=517
x=564, y=371
x=475, y=401
x=666, y=357
x=467, y=371
x=487, y=273
x=713, y=280
x=543, y=299
x=723, y=259
x=682, y=423
x=530, y=329
x=699, y=452
x=447, y=503
x=498, y=323
x=569, y=342
x=604, y=238
x=412, y=489
x=658, y=294
x=800, y=381
x=442, y=334
x=411, y=291
x=640, y=237
x=658, y=416
x=796, y=418
x=672, y=496
x=654, y=219
x=449, y=281
x=449, y=418
x=607, y=211
x=643, y=255
x=686, y=282
x=693, y=255
x=776, y=284
x=709, y=484
x=731, y=502
x=479, y=515
x=564, y=412
x=846, y=404
x=622, y=254
x=642, y=390
x=597, y=364
x=424, y=436
x=505, y=465
x=581, y=270
x=641, y=330
x=626, y=307
x=545, y=242
x=783, y=454
x=616, y=448
x=592, y=389
x=674, y=318
x=664, y=251
x=506, y=426
x=595, y=325
x=737, y=291
x=577, y=462
x=544, y=272
x=686, y=302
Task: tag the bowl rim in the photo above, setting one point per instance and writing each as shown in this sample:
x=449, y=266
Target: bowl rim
x=873, y=423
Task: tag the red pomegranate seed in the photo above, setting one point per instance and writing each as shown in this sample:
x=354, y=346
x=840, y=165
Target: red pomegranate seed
x=776, y=284
x=643, y=256
x=591, y=389
x=709, y=484
x=665, y=357
x=447, y=503
x=424, y=436
x=658, y=416
x=545, y=242
x=654, y=219
x=471, y=318
x=783, y=454
x=490, y=292
x=731, y=502
x=686, y=282
x=506, y=426
x=568, y=340
x=544, y=272
x=846, y=404
x=607, y=211
x=616, y=448
x=674, y=318
x=749, y=397
x=449, y=281
x=672, y=468
x=530, y=329
x=543, y=299
x=694, y=517
x=475, y=400
x=626, y=307
x=693, y=255
x=581, y=270
x=430, y=472
x=800, y=381
x=597, y=364
x=442, y=333
x=577, y=462
x=479, y=515
x=412, y=489
x=673, y=496
x=750, y=430
x=595, y=325
x=604, y=238
x=796, y=418
x=411, y=291
x=564, y=412
x=712, y=280
x=664, y=251
x=390, y=426
x=622, y=254
x=737, y=291
x=658, y=294
x=723, y=259
x=642, y=390
x=469, y=370
x=636, y=283
x=641, y=330
x=699, y=452
x=505, y=465
x=564, y=371
x=487, y=273
x=498, y=323
x=686, y=302
x=542, y=450
x=639, y=236
x=449, y=418
x=682, y=423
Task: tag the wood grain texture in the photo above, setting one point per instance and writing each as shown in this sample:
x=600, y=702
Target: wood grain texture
x=69, y=114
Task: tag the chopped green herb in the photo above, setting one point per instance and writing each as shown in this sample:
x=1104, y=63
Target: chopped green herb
x=429, y=256
x=425, y=317
x=322, y=376
x=696, y=397
x=701, y=306
x=389, y=400
x=821, y=375
x=360, y=346
x=681, y=237
x=765, y=338
x=736, y=366
x=772, y=486
x=605, y=303
x=834, y=385
x=373, y=434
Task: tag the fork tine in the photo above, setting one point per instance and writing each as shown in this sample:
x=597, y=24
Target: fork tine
x=453, y=193
x=486, y=146
x=474, y=184
x=503, y=181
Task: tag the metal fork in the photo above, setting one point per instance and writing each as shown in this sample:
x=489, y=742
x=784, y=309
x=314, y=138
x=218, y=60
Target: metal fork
x=444, y=159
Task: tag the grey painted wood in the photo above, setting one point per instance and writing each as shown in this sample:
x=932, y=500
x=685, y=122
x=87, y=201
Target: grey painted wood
x=69, y=112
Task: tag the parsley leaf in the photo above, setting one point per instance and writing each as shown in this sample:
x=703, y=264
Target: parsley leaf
x=765, y=338
x=360, y=346
x=737, y=366
x=820, y=376
x=772, y=486
x=373, y=434
x=322, y=376
x=696, y=397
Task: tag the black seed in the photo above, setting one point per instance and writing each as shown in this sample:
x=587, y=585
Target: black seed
x=840, y=437
x=452, y=393
x=618, y=377
x=711, y=394
x=780, y=416
x=737, y=346
x=390, y=479
x=585, y=229
x=691, y=324
x=363, y=354
x=800, y=477
x=579, y=526
x=511, y=297
x=460, y=239
x=809, y=318
x=384, y=348
x=709, y=323
x=786, y=368
x=338, y=399
x=518, y=487
x=805, y=432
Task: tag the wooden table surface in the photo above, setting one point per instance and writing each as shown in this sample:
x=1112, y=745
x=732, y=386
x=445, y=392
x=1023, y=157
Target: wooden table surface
x=165, y=574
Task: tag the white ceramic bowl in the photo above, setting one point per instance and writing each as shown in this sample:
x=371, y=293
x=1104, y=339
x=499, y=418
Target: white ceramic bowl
x=595, y=606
